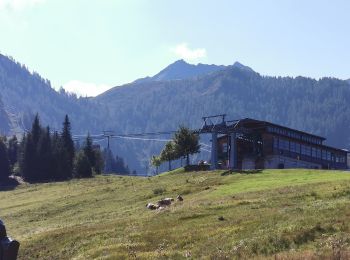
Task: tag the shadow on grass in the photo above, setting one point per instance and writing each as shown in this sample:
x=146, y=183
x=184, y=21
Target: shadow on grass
x=241, y=172
x=8, y=184
x=197, y=168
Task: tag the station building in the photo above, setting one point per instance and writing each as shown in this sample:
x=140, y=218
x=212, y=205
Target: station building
x=264, y=145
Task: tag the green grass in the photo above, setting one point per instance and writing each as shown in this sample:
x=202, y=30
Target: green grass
x=273, y=214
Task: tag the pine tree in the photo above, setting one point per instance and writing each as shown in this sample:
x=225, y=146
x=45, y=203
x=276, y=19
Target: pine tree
x=89, y=151
x=187, y=142
x=169, y=153
x=44, y=153
x=58, y=157
x=68, y=149
x=13, y=150
x=31, y=157
x=99, y=162
x=21, y=149
x=5, y=170
x=28, y=167
x=156, y=162
x=36, y=130
x=82, y=166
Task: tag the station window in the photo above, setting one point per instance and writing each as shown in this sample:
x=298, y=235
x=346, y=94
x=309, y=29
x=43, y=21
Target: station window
x=293, y=147
x=324, y=155
x=275, y=142
x=318, y=153
x=283, y=144
x=305, y=149
x=314, y=153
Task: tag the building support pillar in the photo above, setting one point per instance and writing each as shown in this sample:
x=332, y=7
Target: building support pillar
x=233, y=152
x=214, y=151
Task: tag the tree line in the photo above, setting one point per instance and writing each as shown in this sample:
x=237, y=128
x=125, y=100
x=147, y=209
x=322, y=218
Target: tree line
x=43, y=155
x=184, y=143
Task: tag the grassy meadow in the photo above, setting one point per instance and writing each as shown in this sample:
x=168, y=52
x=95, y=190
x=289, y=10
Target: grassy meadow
x=271, y=214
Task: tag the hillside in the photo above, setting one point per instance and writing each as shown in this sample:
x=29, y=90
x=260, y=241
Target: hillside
x=317, y=106
x=4, y=120
x=25, y=93
x=280, y=214
x=182, y=93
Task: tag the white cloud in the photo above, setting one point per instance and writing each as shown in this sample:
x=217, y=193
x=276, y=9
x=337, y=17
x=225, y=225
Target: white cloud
x=184, y=52
x=84, y=88
x=18, y=4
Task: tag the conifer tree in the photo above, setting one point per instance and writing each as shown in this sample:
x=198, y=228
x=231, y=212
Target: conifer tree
x=68, y=148
x=169, y=153
x=82, y=166
x=156, y=162
x=89, y=151
x=187, y=142
x=5, y=170
x=21, y=149
x=99, y=162
x=36, y=130
x=29, y=159
x=13, y=150
x=44, y=153
x=57, y=159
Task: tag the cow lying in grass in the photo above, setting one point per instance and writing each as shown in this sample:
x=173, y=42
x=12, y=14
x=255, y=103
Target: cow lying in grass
x=161, y=204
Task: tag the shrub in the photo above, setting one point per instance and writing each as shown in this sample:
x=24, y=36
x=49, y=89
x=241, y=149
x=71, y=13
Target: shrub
x=159, y=191
x=82, y=167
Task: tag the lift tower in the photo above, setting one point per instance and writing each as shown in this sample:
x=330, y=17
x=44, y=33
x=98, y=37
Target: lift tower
x=216, y=125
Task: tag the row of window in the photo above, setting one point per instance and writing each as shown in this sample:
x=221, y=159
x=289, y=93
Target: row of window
x=314, y=152
x=293, y=134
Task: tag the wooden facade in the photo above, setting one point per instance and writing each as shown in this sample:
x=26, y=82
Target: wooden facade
x=267, y=145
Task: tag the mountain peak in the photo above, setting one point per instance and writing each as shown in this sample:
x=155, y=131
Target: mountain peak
x=181, y=69
x=242, y=67
x=181, y=61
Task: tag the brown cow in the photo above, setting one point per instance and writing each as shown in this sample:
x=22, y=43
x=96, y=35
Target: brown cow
x=165, y=202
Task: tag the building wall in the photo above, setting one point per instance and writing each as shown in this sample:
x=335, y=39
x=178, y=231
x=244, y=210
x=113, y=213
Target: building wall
x=276, y=161
x=290, y=153
x=327, y=157
x=248, y=163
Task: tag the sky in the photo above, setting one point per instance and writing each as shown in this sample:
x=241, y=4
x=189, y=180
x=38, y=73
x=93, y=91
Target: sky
x=90, y=46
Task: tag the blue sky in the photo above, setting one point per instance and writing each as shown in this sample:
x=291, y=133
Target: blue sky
x=89, y=46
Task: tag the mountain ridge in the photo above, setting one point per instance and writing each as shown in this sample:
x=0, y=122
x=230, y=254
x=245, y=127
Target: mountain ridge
x=152, y=106
x=180, y=69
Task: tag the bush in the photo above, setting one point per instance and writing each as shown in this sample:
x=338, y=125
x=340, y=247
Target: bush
x=82, y=167
x=158, y=191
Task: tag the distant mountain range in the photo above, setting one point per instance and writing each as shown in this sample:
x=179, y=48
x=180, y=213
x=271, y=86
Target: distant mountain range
x=179, y=94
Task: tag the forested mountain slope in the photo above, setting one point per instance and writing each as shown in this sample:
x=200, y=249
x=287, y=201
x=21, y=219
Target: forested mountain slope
x=24, y=94
x=4, y=120
x=318, y=106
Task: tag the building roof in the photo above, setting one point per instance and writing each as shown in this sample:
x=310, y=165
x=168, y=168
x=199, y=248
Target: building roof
x=253, y=124
x=256, y=124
